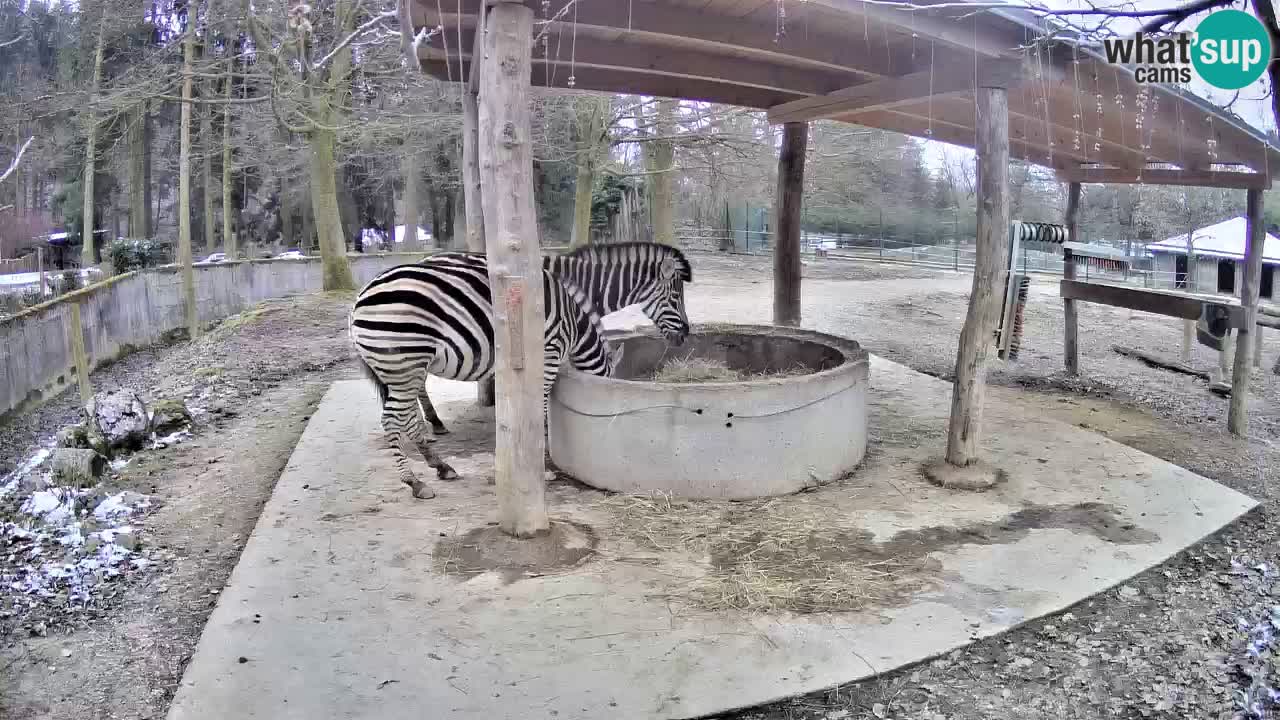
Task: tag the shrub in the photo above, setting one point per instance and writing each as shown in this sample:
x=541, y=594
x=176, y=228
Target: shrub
x=129, y=255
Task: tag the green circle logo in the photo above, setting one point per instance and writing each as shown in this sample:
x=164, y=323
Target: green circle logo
x=1232, y=49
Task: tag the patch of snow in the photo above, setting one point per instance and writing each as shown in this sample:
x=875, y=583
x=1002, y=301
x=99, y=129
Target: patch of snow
x=54, y=506
x=120, y=505
x=49, y=557
x=172, y=438
x=10, y=481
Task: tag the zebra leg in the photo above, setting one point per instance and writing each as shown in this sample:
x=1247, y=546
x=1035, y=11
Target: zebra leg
x=403, y=423
x=429, y=412
x=400, y=421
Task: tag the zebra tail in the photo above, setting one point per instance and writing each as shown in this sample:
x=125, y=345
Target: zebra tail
x=373, y=377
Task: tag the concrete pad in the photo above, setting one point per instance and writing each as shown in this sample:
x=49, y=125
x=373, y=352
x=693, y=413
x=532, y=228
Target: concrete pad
x=348, y=601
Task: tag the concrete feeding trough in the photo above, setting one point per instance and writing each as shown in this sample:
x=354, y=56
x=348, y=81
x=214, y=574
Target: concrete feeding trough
x=786, y=410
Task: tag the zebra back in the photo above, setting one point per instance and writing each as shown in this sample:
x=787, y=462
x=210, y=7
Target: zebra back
x=572, y=319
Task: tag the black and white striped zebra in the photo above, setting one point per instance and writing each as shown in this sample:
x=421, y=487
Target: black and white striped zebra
x=436, y=317
x=613, y=276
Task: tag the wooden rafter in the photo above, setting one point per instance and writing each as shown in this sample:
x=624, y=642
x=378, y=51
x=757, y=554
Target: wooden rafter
x=1166, y=176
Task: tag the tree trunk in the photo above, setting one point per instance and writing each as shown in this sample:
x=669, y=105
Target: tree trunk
x=18, y=178
x=1237, y=412
x=206, y=169
x=445, y=239
x=591, y=116
x=990, y=269
x=139, y=213
x=324, y=164
x=515, y=268
x=660, y=159
x=153, y=210
x=91, y=149
x=473, y=198
x=786, y=251
x=229, y=241
x=184, y=189
x=1070, y=348
x=412, y=210
x=324, y=205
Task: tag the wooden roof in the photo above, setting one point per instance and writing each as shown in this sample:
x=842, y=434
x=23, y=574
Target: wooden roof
x=912, y=72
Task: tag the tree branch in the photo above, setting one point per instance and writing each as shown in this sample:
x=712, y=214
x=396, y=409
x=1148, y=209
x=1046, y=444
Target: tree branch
x=386, y=15
x=13, y=166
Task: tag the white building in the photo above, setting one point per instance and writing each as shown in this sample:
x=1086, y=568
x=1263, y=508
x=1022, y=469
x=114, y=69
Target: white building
x=1219, y=254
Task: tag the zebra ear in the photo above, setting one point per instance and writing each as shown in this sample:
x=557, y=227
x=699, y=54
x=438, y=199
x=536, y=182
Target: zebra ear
x=667, y=270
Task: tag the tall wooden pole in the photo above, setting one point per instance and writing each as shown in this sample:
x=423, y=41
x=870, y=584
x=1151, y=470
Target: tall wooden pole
x=1238, y=414
x=1070, y=348
x=472, y=198
x=786, y=248
x=963, y=432
x=184, y=190
x=515, y=265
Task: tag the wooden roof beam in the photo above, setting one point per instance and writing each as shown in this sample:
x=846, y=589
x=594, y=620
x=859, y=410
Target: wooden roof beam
x=679, y=26
x=956, y=133
x=1166, y=176
x=964, y=36
x=633, y=56
x=617, y=80
x=888, y=93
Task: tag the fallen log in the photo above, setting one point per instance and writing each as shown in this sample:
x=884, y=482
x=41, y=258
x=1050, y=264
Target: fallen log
x=1159, y=362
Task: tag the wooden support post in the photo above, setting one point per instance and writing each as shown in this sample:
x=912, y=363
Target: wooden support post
x=515, y=265
x=1257, y=348
x=1070, y=348
x=1238, y=414
x=472, y=199
x=964, y=429
x=786, y=249
x=40, y=268
x=79, y=356
x=1188, y=337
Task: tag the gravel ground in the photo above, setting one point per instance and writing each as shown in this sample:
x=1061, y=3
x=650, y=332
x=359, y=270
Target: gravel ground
x=1189, y=640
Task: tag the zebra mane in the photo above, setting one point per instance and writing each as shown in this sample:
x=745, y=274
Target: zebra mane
x=617, y=251
x=585, y=306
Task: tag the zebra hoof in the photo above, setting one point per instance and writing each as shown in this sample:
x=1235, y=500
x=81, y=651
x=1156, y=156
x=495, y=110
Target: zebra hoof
x=447, y=473
x=422, y=491
x=442, y=430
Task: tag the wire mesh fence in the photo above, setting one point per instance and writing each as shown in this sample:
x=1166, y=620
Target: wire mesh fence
x=956, y=256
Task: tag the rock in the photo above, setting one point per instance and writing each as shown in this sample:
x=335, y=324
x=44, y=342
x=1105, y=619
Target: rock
x=127, y=540
x=31, y=482
x=78, y=467
x=121, y=418
x=75, y=436
x=169, y=415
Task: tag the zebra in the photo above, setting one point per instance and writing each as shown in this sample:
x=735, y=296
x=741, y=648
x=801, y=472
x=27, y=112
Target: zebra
x=614, y=276
x=436, y=317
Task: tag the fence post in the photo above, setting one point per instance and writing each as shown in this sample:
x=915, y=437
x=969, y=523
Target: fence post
x=40, y=269
x=79, y=357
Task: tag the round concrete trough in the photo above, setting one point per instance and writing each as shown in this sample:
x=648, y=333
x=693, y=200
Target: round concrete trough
x=754, y=438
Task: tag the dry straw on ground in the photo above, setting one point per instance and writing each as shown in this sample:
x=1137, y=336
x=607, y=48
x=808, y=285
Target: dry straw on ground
x=782, y=554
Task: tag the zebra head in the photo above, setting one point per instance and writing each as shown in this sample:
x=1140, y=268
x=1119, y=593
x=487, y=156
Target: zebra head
x=663, y=300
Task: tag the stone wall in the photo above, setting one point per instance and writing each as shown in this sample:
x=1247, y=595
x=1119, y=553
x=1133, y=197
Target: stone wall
x=139, y=309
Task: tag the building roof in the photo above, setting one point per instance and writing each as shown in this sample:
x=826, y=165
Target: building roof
x=1223, y=240
x=877, y=65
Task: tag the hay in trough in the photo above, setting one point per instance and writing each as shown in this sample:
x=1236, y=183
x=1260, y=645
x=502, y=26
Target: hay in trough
x=770, y=555
x=701, y=370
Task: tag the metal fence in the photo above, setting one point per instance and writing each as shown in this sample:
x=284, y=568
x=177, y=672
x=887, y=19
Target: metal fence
x=949, y=255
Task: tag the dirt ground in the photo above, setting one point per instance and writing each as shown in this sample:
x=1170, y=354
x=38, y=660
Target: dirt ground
x=258, y=376
x=1191, y=639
